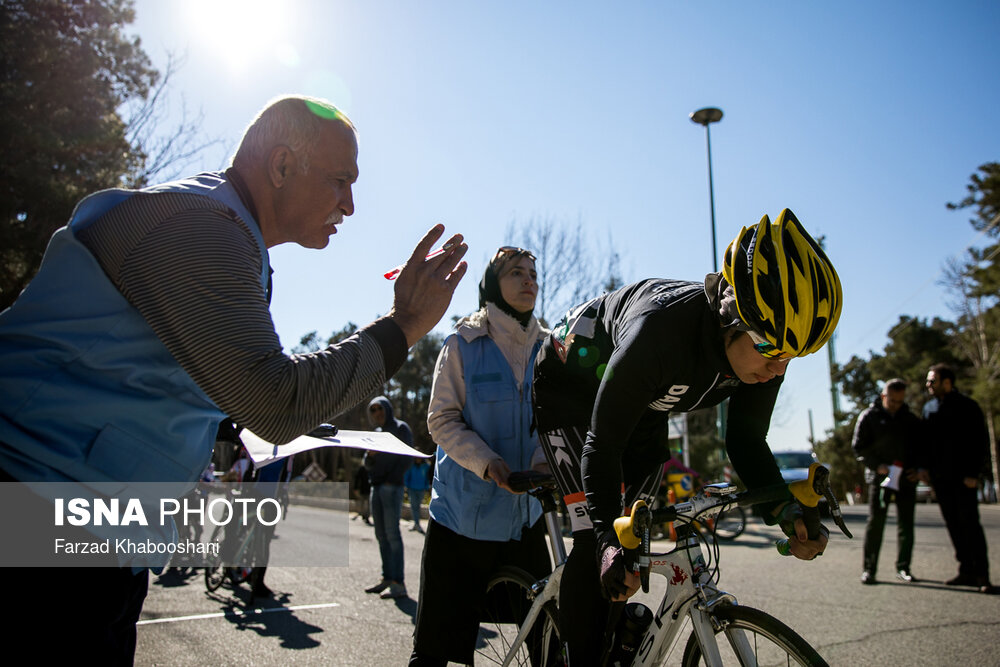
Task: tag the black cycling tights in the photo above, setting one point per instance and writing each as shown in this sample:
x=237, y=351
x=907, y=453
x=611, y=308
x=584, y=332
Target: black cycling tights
x=583, y=609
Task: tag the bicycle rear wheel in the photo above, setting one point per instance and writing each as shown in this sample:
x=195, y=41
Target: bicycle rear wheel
x=508, y=599
x=756, y=638
x=731, y=523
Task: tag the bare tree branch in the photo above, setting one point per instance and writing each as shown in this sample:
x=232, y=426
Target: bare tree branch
x=570, y=271
x=165, y=154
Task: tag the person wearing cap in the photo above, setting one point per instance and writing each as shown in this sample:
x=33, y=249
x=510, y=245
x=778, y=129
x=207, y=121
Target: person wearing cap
x=480, y=418
x=616, y=367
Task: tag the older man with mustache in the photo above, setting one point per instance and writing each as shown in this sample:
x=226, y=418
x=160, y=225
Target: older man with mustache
x=148, y=322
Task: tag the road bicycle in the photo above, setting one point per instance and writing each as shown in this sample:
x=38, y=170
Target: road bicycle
x=240, y=547
x=750, y=636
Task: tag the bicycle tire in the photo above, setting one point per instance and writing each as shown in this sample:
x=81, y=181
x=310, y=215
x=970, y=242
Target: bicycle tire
x=215, y=573
x=773, y=642
x=731, y=523
x=508, y=599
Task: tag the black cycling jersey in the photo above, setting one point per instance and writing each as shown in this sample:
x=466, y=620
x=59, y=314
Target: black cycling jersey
x=619, y=364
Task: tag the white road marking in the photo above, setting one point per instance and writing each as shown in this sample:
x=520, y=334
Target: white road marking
x=237, y=613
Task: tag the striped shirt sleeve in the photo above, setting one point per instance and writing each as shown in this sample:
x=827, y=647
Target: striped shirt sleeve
x=192, y=269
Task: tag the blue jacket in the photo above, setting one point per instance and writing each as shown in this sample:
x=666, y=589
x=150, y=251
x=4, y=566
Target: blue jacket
x=499, y=410
x=416, y=476
x=89, y=392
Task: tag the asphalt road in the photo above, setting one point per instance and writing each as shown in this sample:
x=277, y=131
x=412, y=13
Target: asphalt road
x=322, y=615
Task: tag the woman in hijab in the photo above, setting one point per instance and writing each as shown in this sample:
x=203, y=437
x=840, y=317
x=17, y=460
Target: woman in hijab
x=480, y=417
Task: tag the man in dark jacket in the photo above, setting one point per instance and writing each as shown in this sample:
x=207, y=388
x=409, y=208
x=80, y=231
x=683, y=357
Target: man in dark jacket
x=886, y=440
x=956, y=426
x=386, y=472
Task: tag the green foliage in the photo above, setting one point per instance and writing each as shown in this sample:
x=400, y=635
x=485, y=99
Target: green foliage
x=67, y=70
x=410, y=388
x=983, y=195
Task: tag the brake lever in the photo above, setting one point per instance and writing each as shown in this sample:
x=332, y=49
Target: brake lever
x=838, y=517
x=821, y=485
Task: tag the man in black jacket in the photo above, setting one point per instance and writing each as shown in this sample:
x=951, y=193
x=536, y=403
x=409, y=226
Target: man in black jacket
x=956, y=426
x=886, y=440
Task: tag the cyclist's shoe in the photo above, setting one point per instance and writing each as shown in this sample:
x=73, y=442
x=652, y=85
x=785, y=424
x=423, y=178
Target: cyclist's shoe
x=379, y=587
x=396, y=590
x=868, y=577
x=905, y=575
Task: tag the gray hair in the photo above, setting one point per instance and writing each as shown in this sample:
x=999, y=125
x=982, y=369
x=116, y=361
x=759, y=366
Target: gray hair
x=291, y=120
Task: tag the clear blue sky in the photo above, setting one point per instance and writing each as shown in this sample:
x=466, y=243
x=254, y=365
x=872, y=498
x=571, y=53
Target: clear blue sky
x=864, y=118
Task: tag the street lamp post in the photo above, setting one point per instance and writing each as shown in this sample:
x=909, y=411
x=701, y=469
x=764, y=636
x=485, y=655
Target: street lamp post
x=706, y=117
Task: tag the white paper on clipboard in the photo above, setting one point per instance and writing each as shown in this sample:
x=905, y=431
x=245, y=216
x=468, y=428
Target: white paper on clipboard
x=262, y=452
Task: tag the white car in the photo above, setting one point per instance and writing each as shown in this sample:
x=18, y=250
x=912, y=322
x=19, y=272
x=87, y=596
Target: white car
x=794, y=465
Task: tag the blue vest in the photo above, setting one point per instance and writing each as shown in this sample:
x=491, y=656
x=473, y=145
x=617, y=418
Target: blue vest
x=89, y=392
x=499, y=410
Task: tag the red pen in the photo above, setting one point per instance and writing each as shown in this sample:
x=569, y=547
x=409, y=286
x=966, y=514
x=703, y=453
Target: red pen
x=392, y=275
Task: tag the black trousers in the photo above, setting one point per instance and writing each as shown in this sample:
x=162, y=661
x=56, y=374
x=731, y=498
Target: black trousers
x=584, y=612
x=454, y=572
x=960, y=510
x=65, y=614
x=879, y=500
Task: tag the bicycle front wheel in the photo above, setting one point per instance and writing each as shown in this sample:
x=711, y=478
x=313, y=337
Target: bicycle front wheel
x=215, y=573
x=754, y=638
x=508, y=599
x=731, y=523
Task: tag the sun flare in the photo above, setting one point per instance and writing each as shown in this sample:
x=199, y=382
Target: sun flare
x=241, y=32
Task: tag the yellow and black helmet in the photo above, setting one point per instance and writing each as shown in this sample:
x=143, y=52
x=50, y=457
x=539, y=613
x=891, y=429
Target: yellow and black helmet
x=787, y=290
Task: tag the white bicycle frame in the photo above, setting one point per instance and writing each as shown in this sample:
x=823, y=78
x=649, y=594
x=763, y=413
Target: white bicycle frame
x=690, y=592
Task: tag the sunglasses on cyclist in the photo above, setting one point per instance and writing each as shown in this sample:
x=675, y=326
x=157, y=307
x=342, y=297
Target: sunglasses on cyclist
x=513, y=250
x=766, y=349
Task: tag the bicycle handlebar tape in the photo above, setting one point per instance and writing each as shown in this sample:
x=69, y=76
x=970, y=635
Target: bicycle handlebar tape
x=626, y=528
x=523, y=481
